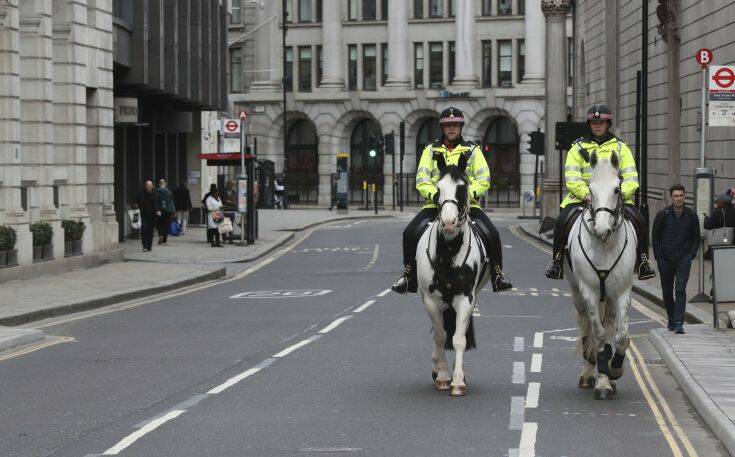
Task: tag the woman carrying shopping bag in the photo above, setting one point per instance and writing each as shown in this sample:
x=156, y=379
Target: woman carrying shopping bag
x=215, y=217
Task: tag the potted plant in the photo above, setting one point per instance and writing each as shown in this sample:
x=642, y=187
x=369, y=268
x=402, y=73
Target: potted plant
x=8, y=254
x=79, y=229
x=42, y=238
x=73, y=232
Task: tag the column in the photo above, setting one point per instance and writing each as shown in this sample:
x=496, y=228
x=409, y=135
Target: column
x=267, y=48
x=535, y=36
x=465, y=42
x=556, y=88
x=398, y=46
x=333, y=78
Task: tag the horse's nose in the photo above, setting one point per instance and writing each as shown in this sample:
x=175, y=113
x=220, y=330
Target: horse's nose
x=449, y=224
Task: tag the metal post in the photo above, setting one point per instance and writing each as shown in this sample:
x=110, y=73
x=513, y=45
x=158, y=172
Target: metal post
x=284, y=16
x=375, y=197
x=703, y=116
x=402, y=146
x=243, y=142
x=644, y=112
x=638, y=128
x=393, y=160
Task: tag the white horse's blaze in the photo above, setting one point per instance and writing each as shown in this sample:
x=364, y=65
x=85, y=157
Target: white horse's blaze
x=603, y=324
x=450, y=275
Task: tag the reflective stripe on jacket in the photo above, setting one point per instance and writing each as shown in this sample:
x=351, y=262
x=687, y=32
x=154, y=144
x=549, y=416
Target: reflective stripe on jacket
x=427, y=174
x=578, y=171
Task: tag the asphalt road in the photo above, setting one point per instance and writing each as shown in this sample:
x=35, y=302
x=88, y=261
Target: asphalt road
x=305, y=354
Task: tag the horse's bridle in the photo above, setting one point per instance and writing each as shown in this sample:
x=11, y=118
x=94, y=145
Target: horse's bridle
x=461, y=210
x=617, y=213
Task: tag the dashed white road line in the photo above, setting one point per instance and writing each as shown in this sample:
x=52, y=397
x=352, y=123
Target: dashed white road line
x=527, y=447
x=519, y=344
x=538, y=340
x=333, y=325
x=532, y=394
x=149, y=427
x=536, y=363
x=517, y=413
x=519, y=373
x=290, y=349
x=384, y=293
x=364, y=306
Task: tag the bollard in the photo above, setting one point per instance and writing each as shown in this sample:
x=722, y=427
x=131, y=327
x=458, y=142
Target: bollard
x=375, y=198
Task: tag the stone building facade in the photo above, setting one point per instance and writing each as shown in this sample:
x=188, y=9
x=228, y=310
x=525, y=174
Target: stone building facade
x=608, y=44
x=56, y=121
x=355, y=69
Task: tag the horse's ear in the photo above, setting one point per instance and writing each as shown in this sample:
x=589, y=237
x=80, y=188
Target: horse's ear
x=440, y=162
x=593, y=159
x=462, y=164
x=615, y=160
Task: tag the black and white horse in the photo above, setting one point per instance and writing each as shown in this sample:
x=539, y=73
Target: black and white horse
x=451, y=271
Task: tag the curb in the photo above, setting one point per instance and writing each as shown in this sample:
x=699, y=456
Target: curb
x=14, y=337
x=712, y=415
x=95, y=303
x=650, y=293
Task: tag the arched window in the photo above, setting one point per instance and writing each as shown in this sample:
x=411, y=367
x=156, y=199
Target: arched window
x=500, y=146
x=428, y=131
x=302, y=173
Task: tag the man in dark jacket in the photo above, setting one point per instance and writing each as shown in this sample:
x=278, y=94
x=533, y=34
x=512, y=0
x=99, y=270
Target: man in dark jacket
x=165, y=210
x=182, y=202
x=676, y=240
x=147, y=206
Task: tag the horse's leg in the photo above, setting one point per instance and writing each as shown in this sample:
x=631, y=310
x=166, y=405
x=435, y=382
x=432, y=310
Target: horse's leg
x=603, y=389
x=587, y=376
x=440, y=370
x=464, y=307
x=622, y=337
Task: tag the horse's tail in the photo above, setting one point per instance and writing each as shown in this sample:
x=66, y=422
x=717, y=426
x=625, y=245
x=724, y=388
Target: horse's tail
x=450, y=326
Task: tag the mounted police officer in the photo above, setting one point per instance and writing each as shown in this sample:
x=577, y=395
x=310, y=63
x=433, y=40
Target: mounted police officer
x=577, y=174
x=452, y=146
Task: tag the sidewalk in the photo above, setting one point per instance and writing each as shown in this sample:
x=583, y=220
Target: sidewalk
x=702, y=361
x=189, y=260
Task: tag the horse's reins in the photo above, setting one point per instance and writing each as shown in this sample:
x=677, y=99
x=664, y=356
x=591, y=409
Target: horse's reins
x=428, y=245
x=602, y=275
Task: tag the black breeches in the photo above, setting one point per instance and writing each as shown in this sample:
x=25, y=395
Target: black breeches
x=495, y=248
x=559, y=241
x=410, y=240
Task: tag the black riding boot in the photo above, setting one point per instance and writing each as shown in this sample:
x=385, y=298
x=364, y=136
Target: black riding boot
x=408, y=283
x=645, y=269
x=555, y=270
x=500, y=283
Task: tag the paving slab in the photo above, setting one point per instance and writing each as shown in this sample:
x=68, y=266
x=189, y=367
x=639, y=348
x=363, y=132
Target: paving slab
x=14, y=337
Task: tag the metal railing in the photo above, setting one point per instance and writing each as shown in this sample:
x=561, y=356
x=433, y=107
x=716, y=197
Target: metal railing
x=302, y=188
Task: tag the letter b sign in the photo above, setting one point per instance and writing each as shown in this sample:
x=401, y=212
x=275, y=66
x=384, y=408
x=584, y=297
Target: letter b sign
x=704, y=57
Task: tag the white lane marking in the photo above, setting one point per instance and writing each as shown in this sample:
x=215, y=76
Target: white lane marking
x=508, y=246
x=364, y=306
x=234, y=380
x=519, y=373
x=333, y=325
x=538, y=340
x=519, y=344
x=534, y=294
x=554, y=294
x=384, y=293
x=536, y=363
x=533, y=394
x=527, y=448
x=331, y=449
x=517, y=413
x=376, y=253
x=135, y=436
x=554, y=289
x=290, y=349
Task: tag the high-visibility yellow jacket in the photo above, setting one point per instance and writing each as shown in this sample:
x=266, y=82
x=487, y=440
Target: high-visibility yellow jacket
x=578, y=171
x=427, y=174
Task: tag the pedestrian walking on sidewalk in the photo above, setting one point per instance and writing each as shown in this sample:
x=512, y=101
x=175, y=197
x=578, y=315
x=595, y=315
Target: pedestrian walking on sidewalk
x=182, y=202
x=147, y=205
x=722, y=216
x=165, y=210
x=215, y=216
x=675, y=238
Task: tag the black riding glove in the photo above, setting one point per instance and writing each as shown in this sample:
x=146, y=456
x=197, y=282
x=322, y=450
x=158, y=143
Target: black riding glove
x=435, y=198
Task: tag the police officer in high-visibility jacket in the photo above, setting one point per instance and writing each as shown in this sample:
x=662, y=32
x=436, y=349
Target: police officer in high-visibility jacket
x=577, y=174
x=452, y=146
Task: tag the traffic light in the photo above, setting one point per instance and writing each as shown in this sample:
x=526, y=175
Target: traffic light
x=389, y=144
x=536, y=143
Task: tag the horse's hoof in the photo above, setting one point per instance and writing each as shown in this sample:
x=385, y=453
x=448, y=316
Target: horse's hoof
x=586, y=382
x=604, y=394
x=458, y=391
x=434, y=374
x=441, y=385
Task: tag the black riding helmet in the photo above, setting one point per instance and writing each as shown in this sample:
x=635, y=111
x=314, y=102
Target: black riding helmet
x=451, y=115
x=599, y=112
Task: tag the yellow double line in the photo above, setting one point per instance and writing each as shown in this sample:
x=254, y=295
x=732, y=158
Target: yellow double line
x=52, y=341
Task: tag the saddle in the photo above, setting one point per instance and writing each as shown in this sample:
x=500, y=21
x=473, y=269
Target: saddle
x=569, y=223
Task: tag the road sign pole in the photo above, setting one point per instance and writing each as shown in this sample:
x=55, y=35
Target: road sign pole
x=704, y=116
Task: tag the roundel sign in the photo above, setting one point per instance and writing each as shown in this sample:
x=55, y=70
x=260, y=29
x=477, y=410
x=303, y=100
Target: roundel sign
x=704, y=57
x=232, y=126
x=724, y=78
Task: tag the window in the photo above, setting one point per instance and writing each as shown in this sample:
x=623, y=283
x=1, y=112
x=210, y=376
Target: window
x=352, y=7
x=418, y=9
x=384, y=10
x=352, y=67
x=487, y=7
x=418, y=66
x=368, y=10
x=318, y=10
x=320, y=65
x=288, y=71
x=123, y=9
x=452, y=57
x=236, y=17
x=487, y=63
x=369, y=67
x=570, y=60
x=384, y=66
x=305, y=68
x=521, y=60
x=504, y=7
x=436, y=65
x=521, y=7
x=505, y=64
x=289, y=10
x=304, y=10
x=453, y=8
x=435, y=8
x=235, y=70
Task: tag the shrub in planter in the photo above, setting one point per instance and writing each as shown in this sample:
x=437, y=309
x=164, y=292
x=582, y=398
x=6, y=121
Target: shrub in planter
x=42, y=239
x=73, y=233
x=8, y=255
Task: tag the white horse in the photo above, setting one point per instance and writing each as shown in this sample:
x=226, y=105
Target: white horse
x=602, y=252
x=451, y=271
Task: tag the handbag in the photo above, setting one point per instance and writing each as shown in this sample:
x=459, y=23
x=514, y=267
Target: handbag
x=721, y=236
x=225, y=226
x=135, y=222
x=218, y=216
x=174, y=229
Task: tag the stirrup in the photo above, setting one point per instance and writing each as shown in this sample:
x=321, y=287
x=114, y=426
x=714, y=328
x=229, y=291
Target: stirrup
x=645, y=269
x=555, y=268
x=500, y=283
x=406, y=283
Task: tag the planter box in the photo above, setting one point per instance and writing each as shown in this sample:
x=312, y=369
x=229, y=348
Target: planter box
x=37, y=253
x=12, y=257
x=68, y=248
x=3, y=259
x=48, y=252
x=77, y=247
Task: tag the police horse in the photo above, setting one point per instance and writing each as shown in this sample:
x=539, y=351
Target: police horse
x=601, y=257
x=452, y=268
